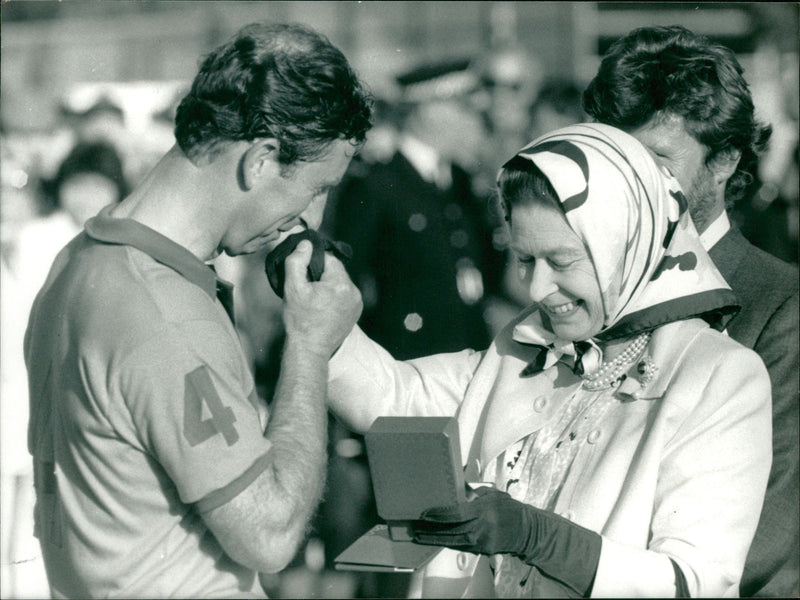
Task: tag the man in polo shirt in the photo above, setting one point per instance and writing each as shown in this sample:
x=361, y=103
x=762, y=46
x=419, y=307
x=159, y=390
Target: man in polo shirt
x=158, y=470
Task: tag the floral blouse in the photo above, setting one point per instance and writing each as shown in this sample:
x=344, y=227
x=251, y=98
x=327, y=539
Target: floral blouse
x=533, y=471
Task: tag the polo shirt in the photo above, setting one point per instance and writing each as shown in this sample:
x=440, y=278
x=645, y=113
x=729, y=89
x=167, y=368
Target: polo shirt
x=143, y=417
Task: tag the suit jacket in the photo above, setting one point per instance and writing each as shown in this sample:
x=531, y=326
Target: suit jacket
x=768, y=323
x=678, y=471
x=412, y=242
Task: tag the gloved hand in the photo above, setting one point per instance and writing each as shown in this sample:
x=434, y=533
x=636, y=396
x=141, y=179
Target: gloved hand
x=274, y=263
x=491, y=523
x=494, y=523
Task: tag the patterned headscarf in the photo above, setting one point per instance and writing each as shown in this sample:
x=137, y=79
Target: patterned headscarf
x=634, y=222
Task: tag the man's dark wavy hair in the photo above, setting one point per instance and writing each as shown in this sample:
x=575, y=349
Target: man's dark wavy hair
x=274, y=80
x=671, y=70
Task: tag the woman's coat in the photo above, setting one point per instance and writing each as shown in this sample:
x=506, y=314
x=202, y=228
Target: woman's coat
x=675, y=469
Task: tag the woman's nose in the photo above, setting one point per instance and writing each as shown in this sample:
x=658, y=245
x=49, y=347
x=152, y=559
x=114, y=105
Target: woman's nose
x=541, y=283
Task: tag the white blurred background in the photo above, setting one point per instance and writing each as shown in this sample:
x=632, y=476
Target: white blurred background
x=77, y=71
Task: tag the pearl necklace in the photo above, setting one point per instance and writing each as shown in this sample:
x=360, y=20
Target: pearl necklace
x=608, y=373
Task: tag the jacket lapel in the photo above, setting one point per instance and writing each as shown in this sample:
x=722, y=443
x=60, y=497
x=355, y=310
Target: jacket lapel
x=728, y=254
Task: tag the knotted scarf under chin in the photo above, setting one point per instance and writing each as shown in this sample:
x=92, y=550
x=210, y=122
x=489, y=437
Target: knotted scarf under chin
x=587, y=357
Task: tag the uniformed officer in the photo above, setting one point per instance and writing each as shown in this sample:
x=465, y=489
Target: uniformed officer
x=423, y=257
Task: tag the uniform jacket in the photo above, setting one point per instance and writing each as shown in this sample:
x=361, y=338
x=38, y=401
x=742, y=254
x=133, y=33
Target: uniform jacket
x=677, y=472
x=411, y=244
x=767, y=289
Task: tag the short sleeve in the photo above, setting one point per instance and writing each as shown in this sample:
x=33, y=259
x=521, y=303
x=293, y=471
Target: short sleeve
x=191, y=398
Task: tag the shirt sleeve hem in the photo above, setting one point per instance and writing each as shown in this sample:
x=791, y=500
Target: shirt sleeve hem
x=225, y=494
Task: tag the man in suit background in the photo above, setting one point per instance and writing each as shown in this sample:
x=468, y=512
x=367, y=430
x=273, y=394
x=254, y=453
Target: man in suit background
x=685, y=98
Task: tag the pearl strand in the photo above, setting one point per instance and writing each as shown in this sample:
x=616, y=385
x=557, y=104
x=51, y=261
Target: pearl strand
x=609, y=373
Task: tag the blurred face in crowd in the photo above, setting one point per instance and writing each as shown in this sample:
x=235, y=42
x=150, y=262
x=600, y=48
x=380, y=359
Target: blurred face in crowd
x=286, y=200
x=84, y=194
x=512, y=82
x=557, y=271
x=546, y=119
x=456, y=128
x=104, y=126
x=683, y=156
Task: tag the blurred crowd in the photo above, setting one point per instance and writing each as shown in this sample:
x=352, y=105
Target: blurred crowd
x=430, y=258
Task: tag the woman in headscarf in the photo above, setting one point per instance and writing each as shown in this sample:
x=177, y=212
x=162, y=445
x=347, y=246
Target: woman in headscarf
x=626, y=439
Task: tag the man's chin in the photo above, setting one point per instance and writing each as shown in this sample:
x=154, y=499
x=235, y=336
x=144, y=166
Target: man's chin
x=259, y=244
x=255, y=246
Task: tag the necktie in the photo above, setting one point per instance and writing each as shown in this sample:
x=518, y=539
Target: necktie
x=444, y=175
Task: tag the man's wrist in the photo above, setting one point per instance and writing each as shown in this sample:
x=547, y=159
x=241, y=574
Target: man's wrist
x=305, y=351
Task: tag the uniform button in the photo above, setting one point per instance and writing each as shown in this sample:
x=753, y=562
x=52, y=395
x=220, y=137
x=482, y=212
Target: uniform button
x=417, y=222
x=593, y=436
x=539, y=404
x=461, y=561
x=452, y=211
x=413, y=322
x=459, y=239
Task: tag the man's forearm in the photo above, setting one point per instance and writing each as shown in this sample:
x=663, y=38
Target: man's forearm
x=297, y=429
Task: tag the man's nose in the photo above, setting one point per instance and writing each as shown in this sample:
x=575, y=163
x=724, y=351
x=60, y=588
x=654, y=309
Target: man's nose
x=313, y=214
x=542, y=283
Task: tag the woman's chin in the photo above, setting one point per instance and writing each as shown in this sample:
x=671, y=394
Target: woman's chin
x=573, y=333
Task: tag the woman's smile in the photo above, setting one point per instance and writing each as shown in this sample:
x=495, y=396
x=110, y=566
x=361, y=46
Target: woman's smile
x=562, y=310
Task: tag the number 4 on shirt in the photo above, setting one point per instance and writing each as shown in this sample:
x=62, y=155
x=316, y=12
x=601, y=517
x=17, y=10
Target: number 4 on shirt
x=200, y=390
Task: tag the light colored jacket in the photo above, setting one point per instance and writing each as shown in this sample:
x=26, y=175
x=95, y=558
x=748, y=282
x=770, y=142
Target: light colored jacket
x=678, y=471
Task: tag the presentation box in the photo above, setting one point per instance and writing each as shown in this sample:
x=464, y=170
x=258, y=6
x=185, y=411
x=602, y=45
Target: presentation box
x=415, y=464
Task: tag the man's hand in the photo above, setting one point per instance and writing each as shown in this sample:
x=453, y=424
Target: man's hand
x=319, y=314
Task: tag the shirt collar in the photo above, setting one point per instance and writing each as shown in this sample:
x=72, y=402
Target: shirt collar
x=422, y=157
x=128, y=232
x=716, y=231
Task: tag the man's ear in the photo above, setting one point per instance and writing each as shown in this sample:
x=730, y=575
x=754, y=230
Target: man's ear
x=724, y=164
x=260, y=160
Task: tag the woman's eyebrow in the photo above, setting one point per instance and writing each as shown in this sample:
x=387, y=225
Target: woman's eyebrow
x=571, y=252
x=564, y=251
x=559, y=251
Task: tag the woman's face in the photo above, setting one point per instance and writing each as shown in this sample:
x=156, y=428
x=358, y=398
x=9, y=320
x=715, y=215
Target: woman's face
x=84, y=194
x=557, y=271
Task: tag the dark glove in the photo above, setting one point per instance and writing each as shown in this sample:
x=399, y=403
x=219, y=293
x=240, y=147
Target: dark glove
x=274, y=263
x=494, y=523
